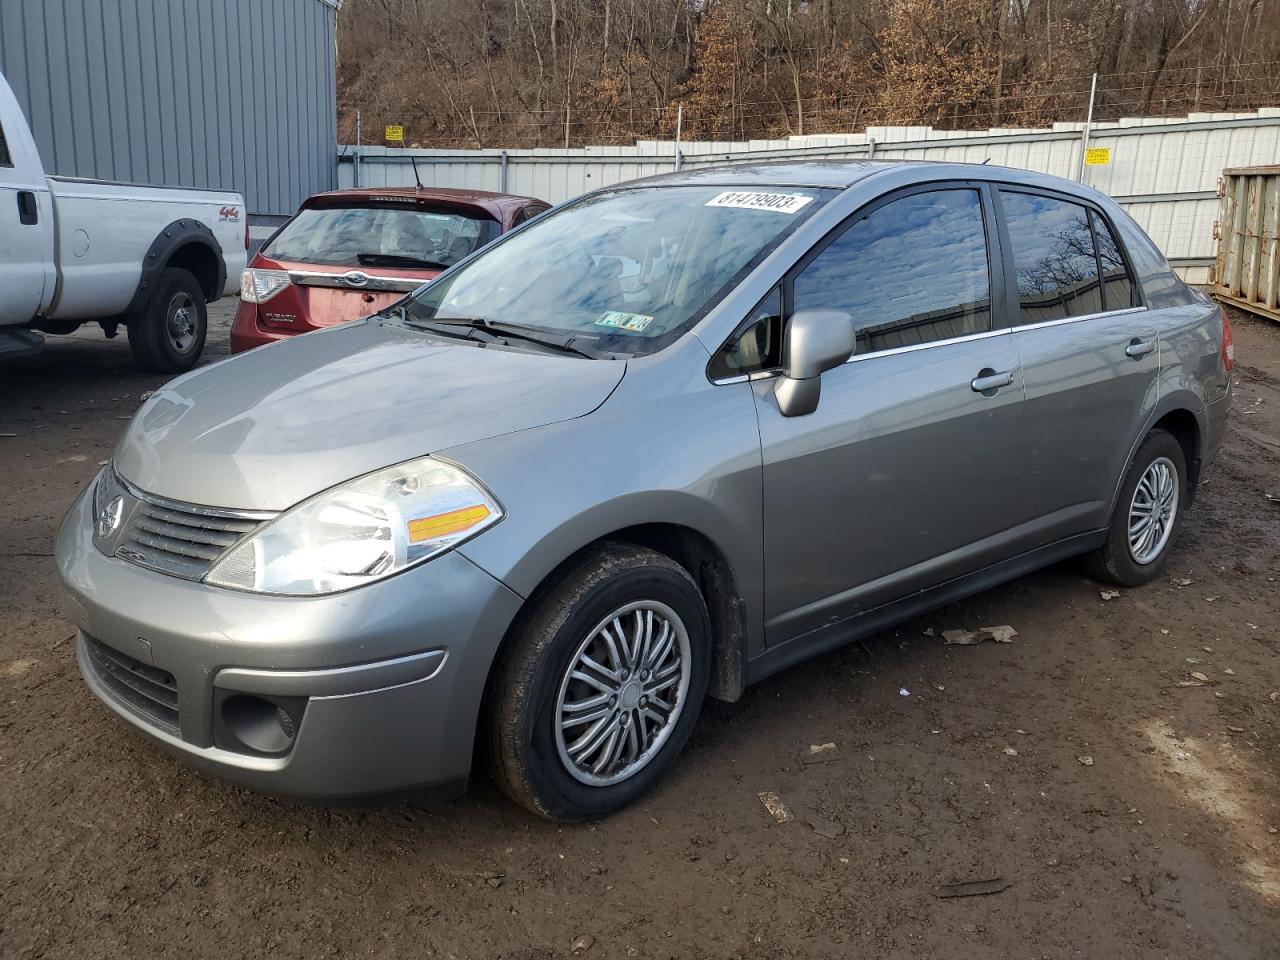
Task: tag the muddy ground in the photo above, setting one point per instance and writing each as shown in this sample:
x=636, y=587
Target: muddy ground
x=1131, y=816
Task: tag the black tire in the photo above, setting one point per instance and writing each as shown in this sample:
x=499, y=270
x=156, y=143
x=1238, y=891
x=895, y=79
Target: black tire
x=522, y=701
x=1114, y=562
x=154, y=332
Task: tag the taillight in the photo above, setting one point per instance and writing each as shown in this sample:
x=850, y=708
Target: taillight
x=1228, y=346
x=246, y=233
x=259, y=286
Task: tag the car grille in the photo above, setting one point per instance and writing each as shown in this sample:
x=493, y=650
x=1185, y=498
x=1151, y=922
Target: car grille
x=150, y=691
x=182, y=539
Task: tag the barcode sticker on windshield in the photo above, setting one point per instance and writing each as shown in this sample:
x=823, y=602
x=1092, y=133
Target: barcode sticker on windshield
x=634, y=322
x=775, y=202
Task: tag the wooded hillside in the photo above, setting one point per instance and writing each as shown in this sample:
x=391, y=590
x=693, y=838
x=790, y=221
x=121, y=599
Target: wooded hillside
x=519, y=73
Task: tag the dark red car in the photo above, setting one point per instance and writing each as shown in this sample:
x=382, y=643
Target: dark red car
x=349, y=253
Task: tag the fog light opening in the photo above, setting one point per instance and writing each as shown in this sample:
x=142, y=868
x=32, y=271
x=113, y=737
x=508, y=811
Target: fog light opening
x=259, y=724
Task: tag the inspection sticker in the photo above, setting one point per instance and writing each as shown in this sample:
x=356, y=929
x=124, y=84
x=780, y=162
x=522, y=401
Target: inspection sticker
x=775, y=202
x=635, y=322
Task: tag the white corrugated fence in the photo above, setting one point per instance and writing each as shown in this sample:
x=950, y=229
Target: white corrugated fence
x=1164, y=171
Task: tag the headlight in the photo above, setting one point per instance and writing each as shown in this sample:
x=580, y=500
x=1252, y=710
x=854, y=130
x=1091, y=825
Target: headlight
x=259, y=286
x=361, y=531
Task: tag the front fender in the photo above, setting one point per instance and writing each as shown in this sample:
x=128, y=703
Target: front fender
x=686, y=459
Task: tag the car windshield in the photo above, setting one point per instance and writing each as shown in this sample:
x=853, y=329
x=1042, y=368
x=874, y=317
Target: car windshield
x=382, y=236
x=625, y=271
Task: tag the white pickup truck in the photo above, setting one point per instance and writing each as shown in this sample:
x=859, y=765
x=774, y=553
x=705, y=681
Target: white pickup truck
x=75, y=251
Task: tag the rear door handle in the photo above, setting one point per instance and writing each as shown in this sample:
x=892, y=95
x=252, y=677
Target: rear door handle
x=28, y=212
x=1137, y=349
x=988, y=380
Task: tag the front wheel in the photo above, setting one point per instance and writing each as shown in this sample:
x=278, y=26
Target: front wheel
x=602, y=686
x=1147, y=515
x=168, y=334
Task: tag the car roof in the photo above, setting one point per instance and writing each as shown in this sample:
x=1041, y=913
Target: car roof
x=493, y=203
x=777, y=173
x=841, y=174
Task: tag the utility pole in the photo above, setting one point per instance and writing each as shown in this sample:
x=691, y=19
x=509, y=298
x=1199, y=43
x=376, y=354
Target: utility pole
x=679, y=125
x=1088, y=122
x=355, y=162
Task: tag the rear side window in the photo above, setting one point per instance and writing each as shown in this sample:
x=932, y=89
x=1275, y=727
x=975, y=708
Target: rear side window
x=1054, y=257
x=382, y=236
x=5, y=160
x=912, y=271
x=1117, y=284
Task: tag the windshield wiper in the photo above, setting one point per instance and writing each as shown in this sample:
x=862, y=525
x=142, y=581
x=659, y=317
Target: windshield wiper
x=395, y=260
x=517, y=331
x=400, y=313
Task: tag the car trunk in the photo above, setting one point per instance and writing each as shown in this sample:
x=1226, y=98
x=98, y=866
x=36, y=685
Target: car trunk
x=350, y=257
x=320, y=295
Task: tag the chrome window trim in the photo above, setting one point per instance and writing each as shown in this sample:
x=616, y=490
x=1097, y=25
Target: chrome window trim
x=912, y=348
x=1084, y=316
x=858, y=357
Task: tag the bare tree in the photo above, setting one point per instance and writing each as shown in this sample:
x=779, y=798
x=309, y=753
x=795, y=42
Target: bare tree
x=538, y=72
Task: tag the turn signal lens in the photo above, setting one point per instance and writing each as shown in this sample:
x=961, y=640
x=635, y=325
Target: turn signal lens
x=447, y=524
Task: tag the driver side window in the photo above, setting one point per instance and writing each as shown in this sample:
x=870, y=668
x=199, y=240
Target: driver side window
x=912, y=271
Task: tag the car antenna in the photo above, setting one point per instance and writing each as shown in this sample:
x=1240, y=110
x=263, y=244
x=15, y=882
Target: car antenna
x=417, y=179
x=982, y=164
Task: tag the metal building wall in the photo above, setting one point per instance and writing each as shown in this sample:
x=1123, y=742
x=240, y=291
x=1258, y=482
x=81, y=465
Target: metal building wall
x=230, y=94
x=1163, y=171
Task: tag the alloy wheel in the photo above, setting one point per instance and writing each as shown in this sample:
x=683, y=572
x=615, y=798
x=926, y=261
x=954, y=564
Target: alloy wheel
x=1152, y=511
x=623, y=693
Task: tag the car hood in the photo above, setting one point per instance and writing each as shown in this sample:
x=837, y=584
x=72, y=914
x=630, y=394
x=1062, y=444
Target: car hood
x=267, y=428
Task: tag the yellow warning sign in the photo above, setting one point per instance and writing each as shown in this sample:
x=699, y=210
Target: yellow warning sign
x=395, y=134
x=1094, y=156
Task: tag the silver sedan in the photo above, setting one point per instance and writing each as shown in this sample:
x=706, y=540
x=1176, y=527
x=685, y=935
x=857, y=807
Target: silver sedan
x=657, y=444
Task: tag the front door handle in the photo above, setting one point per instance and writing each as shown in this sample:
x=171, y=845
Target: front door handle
x=1137, y=349
x=28, y=212
x=988, y=381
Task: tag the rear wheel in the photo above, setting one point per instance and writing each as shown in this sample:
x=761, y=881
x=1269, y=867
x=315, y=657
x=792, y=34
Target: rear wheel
x=602, y=686
x=1147, y=515
x=168, y=334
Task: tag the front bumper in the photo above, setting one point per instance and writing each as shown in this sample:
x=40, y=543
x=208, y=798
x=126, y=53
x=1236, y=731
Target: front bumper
x=385, y=681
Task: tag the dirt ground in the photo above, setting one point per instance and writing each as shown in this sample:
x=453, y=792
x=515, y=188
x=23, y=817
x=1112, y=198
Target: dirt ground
x=1132, y=814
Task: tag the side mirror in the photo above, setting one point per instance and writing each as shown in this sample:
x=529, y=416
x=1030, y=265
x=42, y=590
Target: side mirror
x=816, y=341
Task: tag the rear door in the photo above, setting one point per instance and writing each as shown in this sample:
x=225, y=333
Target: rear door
x=26, y=233
x=1090, y=355
x=901, y=477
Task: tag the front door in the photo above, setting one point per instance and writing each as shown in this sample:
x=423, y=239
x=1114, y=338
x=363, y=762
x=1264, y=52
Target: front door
x=901, y=477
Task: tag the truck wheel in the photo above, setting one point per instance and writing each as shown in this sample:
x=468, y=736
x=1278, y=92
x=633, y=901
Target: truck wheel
x=168, y=334
x=601, y=686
